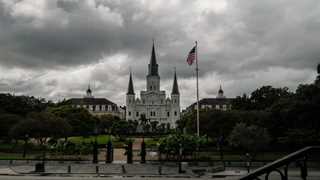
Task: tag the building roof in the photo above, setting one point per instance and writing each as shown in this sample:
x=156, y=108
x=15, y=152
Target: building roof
x=212, y=101
x=175, y=88
x=90, y=101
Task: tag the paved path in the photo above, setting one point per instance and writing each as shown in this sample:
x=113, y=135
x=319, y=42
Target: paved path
x=7, y=171
x=125, y=178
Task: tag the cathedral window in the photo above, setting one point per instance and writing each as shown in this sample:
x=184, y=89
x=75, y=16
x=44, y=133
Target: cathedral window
x=175, y=113
x=129, y=113
x=137, y=114
x=168, y=114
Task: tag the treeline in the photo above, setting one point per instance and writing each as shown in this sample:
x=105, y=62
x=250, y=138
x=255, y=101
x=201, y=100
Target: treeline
x=269, y=118
x=24, y=117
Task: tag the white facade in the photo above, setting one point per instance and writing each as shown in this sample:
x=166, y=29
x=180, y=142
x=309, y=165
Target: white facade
x=153, y=103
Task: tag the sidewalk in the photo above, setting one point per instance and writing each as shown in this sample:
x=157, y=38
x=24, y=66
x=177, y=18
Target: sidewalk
x=133, y=170
x=7, y=171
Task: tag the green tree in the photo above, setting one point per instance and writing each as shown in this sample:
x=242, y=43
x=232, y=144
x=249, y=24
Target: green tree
x=249, y=138
x=266, y=96
x=21, y=105
x=81, y=121
x=7, y=121
x=120, y=128
x=41, y=126
x=172, y=143
x=105, y=122
x=242, y=103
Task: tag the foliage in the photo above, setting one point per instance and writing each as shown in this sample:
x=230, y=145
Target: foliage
x=120, y=127
x=81, y=121
x=21, y=105
x=261, y=99
x=300, y=138
x=105, y=123
x=70, y=148
x=250, y=138
x=217, y=123
x=7, y=121
x=41, y=126
x=171, y=144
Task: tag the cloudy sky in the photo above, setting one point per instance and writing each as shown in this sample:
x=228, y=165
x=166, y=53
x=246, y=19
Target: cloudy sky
x=55, y=48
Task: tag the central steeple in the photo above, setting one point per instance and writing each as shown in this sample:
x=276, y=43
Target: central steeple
x=153, y=78
x=153, y=66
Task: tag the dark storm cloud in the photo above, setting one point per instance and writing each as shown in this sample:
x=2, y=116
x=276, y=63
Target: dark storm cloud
x=242, y=43
x=76, y=33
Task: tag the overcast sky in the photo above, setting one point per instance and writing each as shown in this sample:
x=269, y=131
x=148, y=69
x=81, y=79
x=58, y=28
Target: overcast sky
x=55, y=48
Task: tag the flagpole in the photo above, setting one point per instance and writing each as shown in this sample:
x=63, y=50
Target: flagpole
x=197, y=72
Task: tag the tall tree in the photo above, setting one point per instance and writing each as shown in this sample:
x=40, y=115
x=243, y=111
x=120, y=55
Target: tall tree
x=41, y=126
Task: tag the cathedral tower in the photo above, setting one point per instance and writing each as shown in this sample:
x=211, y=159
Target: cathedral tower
x=153, y=78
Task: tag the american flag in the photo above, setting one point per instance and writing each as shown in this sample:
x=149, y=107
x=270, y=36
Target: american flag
x=191, y=56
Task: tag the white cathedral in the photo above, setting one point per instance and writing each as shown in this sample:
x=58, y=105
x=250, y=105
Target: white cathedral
x=153, y=103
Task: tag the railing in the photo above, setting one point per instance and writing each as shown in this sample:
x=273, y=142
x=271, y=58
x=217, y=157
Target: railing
x=299, y=157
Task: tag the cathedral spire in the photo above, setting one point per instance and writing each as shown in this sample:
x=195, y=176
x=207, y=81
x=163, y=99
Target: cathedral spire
x=175, y=88
x=130, y=86
x=153, y=66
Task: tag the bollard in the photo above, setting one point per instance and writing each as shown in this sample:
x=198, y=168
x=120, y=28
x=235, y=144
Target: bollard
x=123, y=169
x=143, y=152
x=95, y=153
x=109, y=155
x=39, y=167
x=97, y=169
x=160, y=170
x=69, y=169
x=129, y=152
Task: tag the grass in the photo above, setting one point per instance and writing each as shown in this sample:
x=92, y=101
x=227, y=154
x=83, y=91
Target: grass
x=18, y=156
x=101, y=139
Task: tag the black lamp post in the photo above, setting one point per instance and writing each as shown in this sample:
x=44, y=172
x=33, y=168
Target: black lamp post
x=143, y=151
x=95, y=146
x=109, y=158
x=220, y=143
x=180, y=158
x=26, y=136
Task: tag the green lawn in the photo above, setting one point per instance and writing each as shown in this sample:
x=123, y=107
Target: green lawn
x=101, y=139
